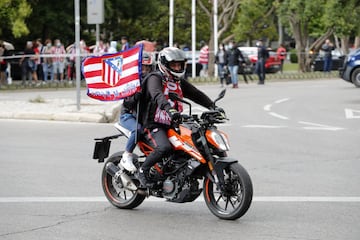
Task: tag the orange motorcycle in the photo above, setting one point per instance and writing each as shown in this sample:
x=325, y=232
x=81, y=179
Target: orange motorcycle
x=199, y=154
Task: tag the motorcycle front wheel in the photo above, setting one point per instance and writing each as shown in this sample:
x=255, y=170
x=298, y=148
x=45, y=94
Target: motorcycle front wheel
x=234, y=201
x=117, y=195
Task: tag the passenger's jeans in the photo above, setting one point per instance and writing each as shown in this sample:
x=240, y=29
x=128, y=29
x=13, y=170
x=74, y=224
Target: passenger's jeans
x=128, y=121
x=234, y=73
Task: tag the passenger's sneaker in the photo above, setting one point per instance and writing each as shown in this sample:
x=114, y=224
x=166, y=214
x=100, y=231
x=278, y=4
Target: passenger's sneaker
x=127, y=162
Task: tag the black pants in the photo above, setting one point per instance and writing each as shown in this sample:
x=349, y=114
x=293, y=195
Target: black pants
x=159, y=138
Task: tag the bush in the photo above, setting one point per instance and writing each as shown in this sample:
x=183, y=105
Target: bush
x=293, y=56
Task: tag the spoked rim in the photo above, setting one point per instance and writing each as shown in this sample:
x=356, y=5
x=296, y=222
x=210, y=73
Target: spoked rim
x=231, y=199
x=117, y=192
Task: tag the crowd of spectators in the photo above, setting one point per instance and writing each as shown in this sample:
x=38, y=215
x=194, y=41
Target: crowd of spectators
x=59, y=66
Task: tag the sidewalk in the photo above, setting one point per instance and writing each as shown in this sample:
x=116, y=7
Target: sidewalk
x=57, y=106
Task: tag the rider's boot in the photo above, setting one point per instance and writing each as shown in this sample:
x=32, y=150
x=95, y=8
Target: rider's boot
x=144, y=178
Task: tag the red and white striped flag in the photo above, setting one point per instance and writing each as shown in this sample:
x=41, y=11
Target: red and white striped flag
x=115, y=76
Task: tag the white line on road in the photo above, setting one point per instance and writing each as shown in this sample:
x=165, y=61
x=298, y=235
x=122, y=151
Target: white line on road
x=282, y=100
x=263, y=126
x=269, y=106
x=350, y=113
x=330, y=199
x=316, y=126
x=278, y=116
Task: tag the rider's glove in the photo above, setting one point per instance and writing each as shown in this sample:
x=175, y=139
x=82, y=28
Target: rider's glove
x=221, y=110
x=174, y=115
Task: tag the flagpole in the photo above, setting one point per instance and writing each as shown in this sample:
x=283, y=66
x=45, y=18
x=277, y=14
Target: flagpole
x=77, y=48
x=137, y=120
x=193, y=38
x=215, y=32
x=171, y=23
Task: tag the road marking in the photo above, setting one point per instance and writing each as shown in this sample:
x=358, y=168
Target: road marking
x=350, y=113
x=331, y=199
x=282, y=100
x=263, y=126
x=278, y=116
x=269, y=106
x=316, y=126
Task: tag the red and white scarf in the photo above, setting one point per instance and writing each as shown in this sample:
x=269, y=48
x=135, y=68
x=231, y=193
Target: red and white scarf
x=161, y=116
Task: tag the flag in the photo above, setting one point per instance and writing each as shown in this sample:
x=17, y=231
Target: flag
x=115, y=76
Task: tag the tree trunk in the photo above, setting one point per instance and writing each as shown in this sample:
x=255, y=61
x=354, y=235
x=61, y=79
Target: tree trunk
x=357, y=42
x=300, y=36
x=345, y=45
x=211, y=64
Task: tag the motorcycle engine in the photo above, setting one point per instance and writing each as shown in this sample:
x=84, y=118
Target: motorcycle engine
x=170, y=188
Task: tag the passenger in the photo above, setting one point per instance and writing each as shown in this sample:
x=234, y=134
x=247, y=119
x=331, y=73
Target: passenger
x=128, y=116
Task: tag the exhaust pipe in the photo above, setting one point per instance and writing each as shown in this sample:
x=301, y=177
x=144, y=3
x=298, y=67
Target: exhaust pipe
x=120, y=176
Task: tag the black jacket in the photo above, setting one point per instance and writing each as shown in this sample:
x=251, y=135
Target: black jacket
x=234, y=57
x=153, y=96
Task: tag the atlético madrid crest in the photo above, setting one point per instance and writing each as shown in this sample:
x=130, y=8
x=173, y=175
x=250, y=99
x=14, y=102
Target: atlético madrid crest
x=111, y=70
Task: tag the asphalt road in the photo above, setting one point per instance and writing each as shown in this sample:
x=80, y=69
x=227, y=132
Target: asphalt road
x=298, y=141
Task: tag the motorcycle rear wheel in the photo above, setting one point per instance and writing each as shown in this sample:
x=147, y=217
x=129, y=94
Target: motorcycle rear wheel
x=117, y=195
x=235, y=200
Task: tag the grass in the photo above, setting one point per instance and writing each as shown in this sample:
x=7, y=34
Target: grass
x=38, y=99
x=290, y=67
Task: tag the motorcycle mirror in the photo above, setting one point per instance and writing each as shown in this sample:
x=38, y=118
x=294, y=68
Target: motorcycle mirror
x=221, y=95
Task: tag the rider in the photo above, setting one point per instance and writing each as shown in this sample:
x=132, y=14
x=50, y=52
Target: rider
x=128, y=115
x=158, y=111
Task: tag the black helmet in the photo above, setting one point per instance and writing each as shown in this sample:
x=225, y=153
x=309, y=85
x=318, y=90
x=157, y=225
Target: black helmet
x=168, y=55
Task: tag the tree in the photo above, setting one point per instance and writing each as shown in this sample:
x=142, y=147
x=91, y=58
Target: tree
x=303, y=16
x=13, y=14
x=255, y=20
x=226, y=14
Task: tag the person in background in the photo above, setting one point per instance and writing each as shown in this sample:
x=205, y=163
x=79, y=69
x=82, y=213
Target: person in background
x=58, y=61
x=327, y=47
x=220, y=60
x=124, y=43
x=39, y=61
x=100, y=48
x=281, y=53
x=263, y=54
x=47, y=61
x=113, y=47
x=28, y=71
x=128, y=116
x=204, y=59
x=3, y=64
x=234, y=59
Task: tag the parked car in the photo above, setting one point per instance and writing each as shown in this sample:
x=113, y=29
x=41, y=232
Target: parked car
x=337, y=60
x=272, y=64
x=350, y=71
x=188, y=72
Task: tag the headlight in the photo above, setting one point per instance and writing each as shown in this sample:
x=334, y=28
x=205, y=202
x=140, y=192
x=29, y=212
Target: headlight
x=218, y=139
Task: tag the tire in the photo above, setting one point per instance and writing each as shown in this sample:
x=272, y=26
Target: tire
x=234, y=202
x=115, y=193
x=355, y=77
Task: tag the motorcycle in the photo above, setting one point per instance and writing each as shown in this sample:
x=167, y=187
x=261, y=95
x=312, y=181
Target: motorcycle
x=199, y=154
